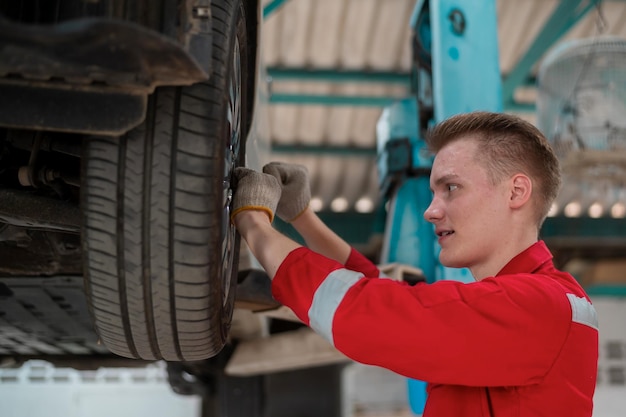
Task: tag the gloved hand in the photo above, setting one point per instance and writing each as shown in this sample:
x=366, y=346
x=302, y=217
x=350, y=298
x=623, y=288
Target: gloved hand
x=296, y=191
x=255, y=191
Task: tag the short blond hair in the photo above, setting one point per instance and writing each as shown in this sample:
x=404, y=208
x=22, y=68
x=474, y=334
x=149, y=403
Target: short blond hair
x=507, y=145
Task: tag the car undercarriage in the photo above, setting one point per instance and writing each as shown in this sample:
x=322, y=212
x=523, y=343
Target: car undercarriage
x=120, y=125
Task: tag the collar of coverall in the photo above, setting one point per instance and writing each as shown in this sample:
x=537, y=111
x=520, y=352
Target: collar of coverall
x=528, y=260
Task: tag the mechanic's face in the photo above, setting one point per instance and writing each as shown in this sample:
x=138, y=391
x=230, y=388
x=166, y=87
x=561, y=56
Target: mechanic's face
x=469, y=213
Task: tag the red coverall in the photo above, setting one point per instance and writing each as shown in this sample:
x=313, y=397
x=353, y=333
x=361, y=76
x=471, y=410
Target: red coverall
x=523, y=343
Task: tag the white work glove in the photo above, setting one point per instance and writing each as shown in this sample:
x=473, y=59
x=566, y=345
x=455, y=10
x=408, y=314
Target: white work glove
x=255, y=191
x=296, y=191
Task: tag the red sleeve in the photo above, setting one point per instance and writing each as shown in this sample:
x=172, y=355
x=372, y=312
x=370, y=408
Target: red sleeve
x=497, y=332
x=298, y=277
x=357, y=262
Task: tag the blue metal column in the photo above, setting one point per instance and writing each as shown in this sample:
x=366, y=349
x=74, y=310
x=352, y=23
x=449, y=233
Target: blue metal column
x=466, y=66
x=409, y=238
x=461, y=40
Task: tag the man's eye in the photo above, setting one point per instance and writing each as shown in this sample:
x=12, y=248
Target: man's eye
x=452, y=187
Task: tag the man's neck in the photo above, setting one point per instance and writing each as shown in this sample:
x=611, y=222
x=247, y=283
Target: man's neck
x=509, y=250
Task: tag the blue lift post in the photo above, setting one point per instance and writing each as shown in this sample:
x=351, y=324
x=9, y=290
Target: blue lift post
x=456, y=70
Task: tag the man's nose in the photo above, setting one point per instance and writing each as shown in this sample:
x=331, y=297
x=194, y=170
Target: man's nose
x=433, y=212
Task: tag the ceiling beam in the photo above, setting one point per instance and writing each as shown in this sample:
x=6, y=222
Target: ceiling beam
x=299, y=99
x=271, y=7
x=368, y=152
x=332, y=99
x=339, y=76
x=335, y=75
x=563, y=18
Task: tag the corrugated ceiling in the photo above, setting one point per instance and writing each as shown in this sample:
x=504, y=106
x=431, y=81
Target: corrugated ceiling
x=374, y=35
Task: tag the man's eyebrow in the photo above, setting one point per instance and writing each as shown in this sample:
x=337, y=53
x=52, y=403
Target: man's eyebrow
x=444, y=179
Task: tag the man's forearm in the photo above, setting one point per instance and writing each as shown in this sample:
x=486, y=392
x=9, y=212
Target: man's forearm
x=268, y=246
x=320, y=238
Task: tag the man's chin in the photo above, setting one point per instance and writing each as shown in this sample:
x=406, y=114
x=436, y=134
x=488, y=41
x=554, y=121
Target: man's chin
x=450, y=261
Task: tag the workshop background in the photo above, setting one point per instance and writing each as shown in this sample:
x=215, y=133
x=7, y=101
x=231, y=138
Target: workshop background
x=334, y=65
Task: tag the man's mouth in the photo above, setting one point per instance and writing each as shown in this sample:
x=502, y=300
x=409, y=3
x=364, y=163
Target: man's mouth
x=444, y=233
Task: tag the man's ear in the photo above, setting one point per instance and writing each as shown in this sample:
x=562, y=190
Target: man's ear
x=521, y=190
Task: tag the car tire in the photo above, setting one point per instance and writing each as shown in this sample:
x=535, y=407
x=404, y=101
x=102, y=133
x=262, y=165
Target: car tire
x=160, y=253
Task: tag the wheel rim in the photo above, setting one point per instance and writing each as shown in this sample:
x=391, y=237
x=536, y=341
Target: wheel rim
x=233, y=147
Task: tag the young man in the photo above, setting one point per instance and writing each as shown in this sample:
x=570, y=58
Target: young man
x=520, y=341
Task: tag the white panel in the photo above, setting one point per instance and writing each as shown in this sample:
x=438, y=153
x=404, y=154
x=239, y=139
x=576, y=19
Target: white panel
x=609, y=399
x=406, y=50
x=513, y=16
x=326, y=31
x=358, y=173
x=365, y=118
x=357, y=32
x=373, y=391
x=282, y=123
x=388, y=30
x=294, y=33
x=313, y=126
x=340, y=125
x=270, y=38
x=520, y=25
x=342, y=119
x=364, y=126
x=284, y=119
x=37, y=389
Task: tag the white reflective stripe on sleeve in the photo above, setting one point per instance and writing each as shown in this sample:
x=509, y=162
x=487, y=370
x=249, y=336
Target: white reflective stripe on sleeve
x=583, y=311
x=327, y=298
